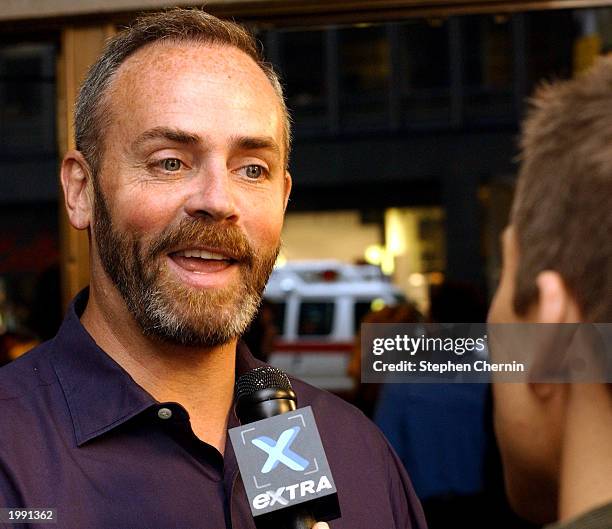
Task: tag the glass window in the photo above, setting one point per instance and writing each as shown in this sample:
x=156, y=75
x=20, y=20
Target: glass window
x=489, y=68
x=550, y=39
x=361, y=309
x=27, y=100
x=316, y=318
x=365, y=72
x=303, y=69
x=424, y=76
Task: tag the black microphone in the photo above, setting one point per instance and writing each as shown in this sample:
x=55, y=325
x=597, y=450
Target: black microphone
x=264, y=393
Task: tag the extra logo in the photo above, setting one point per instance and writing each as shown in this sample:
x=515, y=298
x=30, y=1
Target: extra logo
x=280, y=451
x=282, y=461
x=297, y=490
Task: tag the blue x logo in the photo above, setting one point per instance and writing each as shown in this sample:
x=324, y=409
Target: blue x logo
x=280, y=451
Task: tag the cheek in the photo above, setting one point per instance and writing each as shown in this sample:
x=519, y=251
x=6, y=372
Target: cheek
x=512, y=426
x=265, y=231
x=263, y=221
x=501, y=310
x=509, y=435
x=523, y=445
x=145, y=213
x=502, y=398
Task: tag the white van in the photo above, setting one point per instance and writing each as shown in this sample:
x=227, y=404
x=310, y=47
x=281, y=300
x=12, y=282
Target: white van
x=318, y=306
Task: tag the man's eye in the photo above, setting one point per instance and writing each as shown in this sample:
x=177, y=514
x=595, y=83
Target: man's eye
x=254, y=171
x=171, y=164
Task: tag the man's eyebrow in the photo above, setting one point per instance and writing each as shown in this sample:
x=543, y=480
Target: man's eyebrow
x=167, y=133
x=253, y=143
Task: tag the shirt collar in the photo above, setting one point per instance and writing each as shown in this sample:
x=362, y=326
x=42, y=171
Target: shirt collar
x=100, y=394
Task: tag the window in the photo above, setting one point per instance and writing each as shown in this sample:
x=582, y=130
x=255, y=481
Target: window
x=306, y=85
x=365, y=72
x=316, y=318
x=489, y=68
x=27, y=97
x=361, y=309
x=424, y=76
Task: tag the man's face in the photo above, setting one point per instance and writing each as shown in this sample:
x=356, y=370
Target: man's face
x=527, y=430
x=191, y=191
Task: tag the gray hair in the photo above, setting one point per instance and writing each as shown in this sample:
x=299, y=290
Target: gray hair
x=176, y=25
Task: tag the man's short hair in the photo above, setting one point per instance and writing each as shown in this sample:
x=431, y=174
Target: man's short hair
x=563, y=206
x=175, y=25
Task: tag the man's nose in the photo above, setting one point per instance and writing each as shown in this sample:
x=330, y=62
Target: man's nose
x=212, y=194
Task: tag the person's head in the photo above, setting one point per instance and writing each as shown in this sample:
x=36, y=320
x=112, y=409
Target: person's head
x=557, y=257
x=180, y=174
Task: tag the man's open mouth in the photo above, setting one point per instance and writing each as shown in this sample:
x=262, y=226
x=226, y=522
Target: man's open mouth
x=202, y=261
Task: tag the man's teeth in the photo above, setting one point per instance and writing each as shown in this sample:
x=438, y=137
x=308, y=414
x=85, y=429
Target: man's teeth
x=202, y=254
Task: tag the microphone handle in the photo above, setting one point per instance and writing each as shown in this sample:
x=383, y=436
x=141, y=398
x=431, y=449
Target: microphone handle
x=301, y=518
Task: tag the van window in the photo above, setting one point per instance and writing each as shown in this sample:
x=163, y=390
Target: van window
x=316, y=318
x=361, y=309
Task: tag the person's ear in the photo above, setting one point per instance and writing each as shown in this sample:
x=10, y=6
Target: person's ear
x=555, y=302
x=76, y=183
x=288, y=183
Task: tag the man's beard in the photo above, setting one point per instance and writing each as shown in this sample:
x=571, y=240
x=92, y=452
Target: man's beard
x=163, y=306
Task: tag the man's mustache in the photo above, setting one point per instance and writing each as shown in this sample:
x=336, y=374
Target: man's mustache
x=194, y=233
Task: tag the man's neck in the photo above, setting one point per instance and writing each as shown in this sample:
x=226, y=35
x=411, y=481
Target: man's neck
x=586, y=467
x=200, y=379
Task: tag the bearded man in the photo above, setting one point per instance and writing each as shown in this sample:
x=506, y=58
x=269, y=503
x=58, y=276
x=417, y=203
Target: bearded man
x=180, y=177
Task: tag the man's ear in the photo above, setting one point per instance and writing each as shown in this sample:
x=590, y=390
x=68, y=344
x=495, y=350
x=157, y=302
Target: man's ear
x=555, y=302
x=288, y=184
x=76, y=182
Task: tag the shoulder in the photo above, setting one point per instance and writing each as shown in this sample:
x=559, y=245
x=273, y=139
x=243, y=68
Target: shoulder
x=28, y=372
x=25, y=385
x=323, y=402
x=345, y=422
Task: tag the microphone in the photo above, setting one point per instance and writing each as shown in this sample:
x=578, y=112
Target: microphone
x=280, y=455
x=263, y=392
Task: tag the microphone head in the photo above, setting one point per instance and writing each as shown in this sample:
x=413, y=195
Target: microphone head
x=263, y=392
x=266, y=377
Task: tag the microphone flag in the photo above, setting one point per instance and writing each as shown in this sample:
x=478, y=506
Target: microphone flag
x=282, y=462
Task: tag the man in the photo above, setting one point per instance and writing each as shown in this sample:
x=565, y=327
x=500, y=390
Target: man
x=180, y=177
x=556, y=439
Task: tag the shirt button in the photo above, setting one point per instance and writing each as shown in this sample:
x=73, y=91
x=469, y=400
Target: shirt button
x=164, y=413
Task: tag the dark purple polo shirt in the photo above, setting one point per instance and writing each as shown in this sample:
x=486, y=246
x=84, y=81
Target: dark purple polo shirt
x=79, y=435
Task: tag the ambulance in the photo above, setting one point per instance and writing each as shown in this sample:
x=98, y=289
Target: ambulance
x=318, y=306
